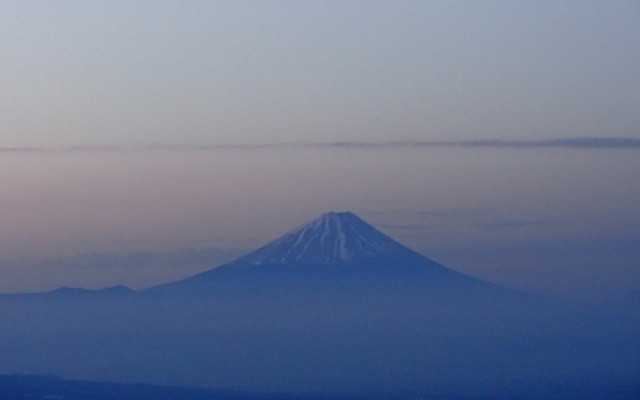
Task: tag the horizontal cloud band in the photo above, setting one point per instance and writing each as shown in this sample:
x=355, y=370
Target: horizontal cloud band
x=570, y=143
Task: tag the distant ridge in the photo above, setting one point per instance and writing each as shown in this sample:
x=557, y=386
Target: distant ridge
x=73, y=293
x=34, y=387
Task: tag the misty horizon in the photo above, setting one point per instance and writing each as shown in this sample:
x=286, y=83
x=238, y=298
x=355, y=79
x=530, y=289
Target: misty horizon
x=223, y=125
x=316, y=312
x=160, y=163
x=142, y=269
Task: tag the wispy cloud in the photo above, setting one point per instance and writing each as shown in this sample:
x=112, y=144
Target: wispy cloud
x=616, y=143
x=575, y=143
x=454, y=212
x=138, y=259
x=407, y=227
x=498, y=226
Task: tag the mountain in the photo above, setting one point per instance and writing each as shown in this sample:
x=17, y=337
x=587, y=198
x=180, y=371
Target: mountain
x=71, y=294
x=336, y=247
x=332, y=239
x=333, y=308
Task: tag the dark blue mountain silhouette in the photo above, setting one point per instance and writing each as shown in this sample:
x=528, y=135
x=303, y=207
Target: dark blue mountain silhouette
x=333, y=308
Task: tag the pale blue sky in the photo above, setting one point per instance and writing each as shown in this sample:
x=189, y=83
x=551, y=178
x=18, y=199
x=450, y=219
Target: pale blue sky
x=255, y=72
x=76, y=76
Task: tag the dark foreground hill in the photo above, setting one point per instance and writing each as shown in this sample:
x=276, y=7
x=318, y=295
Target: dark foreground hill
x=41, y=387
x=334, y=308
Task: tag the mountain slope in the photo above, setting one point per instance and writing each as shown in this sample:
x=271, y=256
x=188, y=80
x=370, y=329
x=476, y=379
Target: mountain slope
x=331, y=239
x=334, y=307
x=336, y=247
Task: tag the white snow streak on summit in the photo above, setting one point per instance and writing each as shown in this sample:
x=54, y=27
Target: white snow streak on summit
x=334, y=237
x=342, y=250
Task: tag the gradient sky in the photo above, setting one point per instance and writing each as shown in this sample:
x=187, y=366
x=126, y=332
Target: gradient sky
x=499, y=138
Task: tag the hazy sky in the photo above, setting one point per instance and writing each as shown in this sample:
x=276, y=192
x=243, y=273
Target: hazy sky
x=499, y=138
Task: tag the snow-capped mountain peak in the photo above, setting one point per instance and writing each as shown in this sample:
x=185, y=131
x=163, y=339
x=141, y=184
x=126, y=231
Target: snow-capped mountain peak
x=335, y=237
x=337, y=245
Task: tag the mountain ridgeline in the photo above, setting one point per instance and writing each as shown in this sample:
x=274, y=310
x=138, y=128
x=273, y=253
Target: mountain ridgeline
x=336, y=248
x=334, y=307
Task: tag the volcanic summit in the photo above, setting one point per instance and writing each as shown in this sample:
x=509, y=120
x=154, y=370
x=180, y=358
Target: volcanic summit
x=339, y=245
